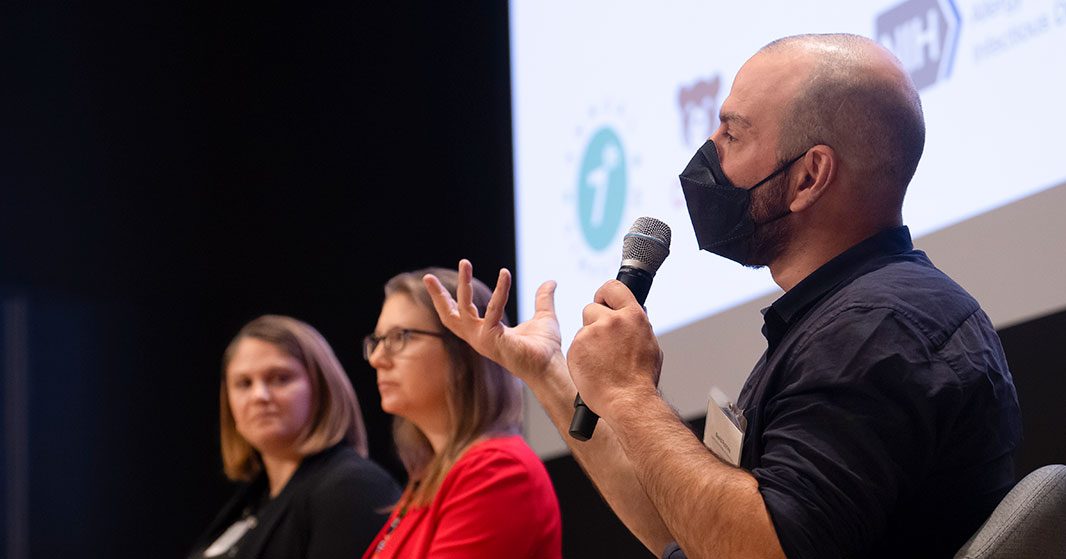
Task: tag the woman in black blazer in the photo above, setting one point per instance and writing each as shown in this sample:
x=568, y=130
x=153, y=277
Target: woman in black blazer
x=292, y=433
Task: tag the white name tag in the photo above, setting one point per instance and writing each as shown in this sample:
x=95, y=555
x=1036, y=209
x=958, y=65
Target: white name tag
x=230, y=537
x=724, y=432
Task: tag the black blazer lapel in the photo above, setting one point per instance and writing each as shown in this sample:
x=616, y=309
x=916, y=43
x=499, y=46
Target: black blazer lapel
x=229, y=514
x=280, y=507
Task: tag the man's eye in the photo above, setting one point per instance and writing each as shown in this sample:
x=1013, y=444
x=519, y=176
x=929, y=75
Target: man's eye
x=729, y=137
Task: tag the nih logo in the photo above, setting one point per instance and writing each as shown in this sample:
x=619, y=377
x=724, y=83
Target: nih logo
x=922, y=34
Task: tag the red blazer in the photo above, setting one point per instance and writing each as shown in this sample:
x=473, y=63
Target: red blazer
x=496, y=501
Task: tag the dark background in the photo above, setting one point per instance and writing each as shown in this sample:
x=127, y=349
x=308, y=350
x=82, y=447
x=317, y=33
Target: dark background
x=171, y=171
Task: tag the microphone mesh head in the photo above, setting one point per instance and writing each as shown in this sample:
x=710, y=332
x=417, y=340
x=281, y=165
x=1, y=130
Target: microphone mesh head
x=647, y=244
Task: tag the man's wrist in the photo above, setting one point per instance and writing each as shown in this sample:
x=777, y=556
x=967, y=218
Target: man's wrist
x=552, y=382
x=630, y=404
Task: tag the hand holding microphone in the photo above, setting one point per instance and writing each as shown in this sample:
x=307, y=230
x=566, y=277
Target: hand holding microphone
x=644, y=248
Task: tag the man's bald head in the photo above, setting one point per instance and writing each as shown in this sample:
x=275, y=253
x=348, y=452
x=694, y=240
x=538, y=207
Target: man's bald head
x=858, y=100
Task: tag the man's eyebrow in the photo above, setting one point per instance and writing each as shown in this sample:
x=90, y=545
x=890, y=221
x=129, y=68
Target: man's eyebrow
x=734, y=118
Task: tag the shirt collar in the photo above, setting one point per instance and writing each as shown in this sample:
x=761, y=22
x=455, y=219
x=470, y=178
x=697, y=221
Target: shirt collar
x=780, y=315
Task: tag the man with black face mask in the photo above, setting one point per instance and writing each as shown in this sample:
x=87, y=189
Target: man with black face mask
x=727, y=219
x=881, y=420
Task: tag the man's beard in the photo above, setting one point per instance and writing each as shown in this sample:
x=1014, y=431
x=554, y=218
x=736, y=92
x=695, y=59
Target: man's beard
x=769, y=209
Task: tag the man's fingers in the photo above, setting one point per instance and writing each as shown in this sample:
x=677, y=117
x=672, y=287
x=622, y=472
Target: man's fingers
x=545, y=298
x=494, y=310
x=614, y=294
x=463, y=290
x=442, y=300
x=593, y=312
x=611, y=297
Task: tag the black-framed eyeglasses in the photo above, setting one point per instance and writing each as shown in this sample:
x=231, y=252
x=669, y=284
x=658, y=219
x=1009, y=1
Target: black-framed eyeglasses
x=394, y=340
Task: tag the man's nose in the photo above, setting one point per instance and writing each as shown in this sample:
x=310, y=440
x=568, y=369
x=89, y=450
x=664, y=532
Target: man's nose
x=716, y=137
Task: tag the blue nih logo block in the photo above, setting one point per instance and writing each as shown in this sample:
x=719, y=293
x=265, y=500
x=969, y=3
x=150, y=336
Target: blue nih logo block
x=923, y=35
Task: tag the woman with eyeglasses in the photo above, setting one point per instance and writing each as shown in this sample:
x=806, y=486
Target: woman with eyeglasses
x=293, y=436
x=476, y=490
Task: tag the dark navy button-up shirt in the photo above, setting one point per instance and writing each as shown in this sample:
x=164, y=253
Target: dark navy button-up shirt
x=882, y=417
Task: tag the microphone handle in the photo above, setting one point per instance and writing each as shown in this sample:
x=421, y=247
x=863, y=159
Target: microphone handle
x=583, y=423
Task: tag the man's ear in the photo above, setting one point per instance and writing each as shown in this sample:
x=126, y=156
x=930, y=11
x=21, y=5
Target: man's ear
x=816, y=174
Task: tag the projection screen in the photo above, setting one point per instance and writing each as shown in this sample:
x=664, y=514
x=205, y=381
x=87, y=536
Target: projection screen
x=611, y=99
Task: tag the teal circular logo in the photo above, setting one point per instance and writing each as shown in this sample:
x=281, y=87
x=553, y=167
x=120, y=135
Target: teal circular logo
x=601, y=188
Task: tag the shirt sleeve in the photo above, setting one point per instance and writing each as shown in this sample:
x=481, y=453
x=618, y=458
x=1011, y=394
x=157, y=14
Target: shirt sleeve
x=494, y=506
x=347, y=511
x=849, y=430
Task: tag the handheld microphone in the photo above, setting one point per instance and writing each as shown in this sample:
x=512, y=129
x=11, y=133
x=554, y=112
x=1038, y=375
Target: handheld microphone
x=644, y=248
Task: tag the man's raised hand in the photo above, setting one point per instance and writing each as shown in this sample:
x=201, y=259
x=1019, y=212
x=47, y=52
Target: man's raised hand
x=527, y=350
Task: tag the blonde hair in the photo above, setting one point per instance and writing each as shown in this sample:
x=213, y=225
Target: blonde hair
x=335, y=414
x=482, y=397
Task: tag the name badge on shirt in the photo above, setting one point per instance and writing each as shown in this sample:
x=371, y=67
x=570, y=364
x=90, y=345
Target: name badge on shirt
x=724, y=431
x=230, y=537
